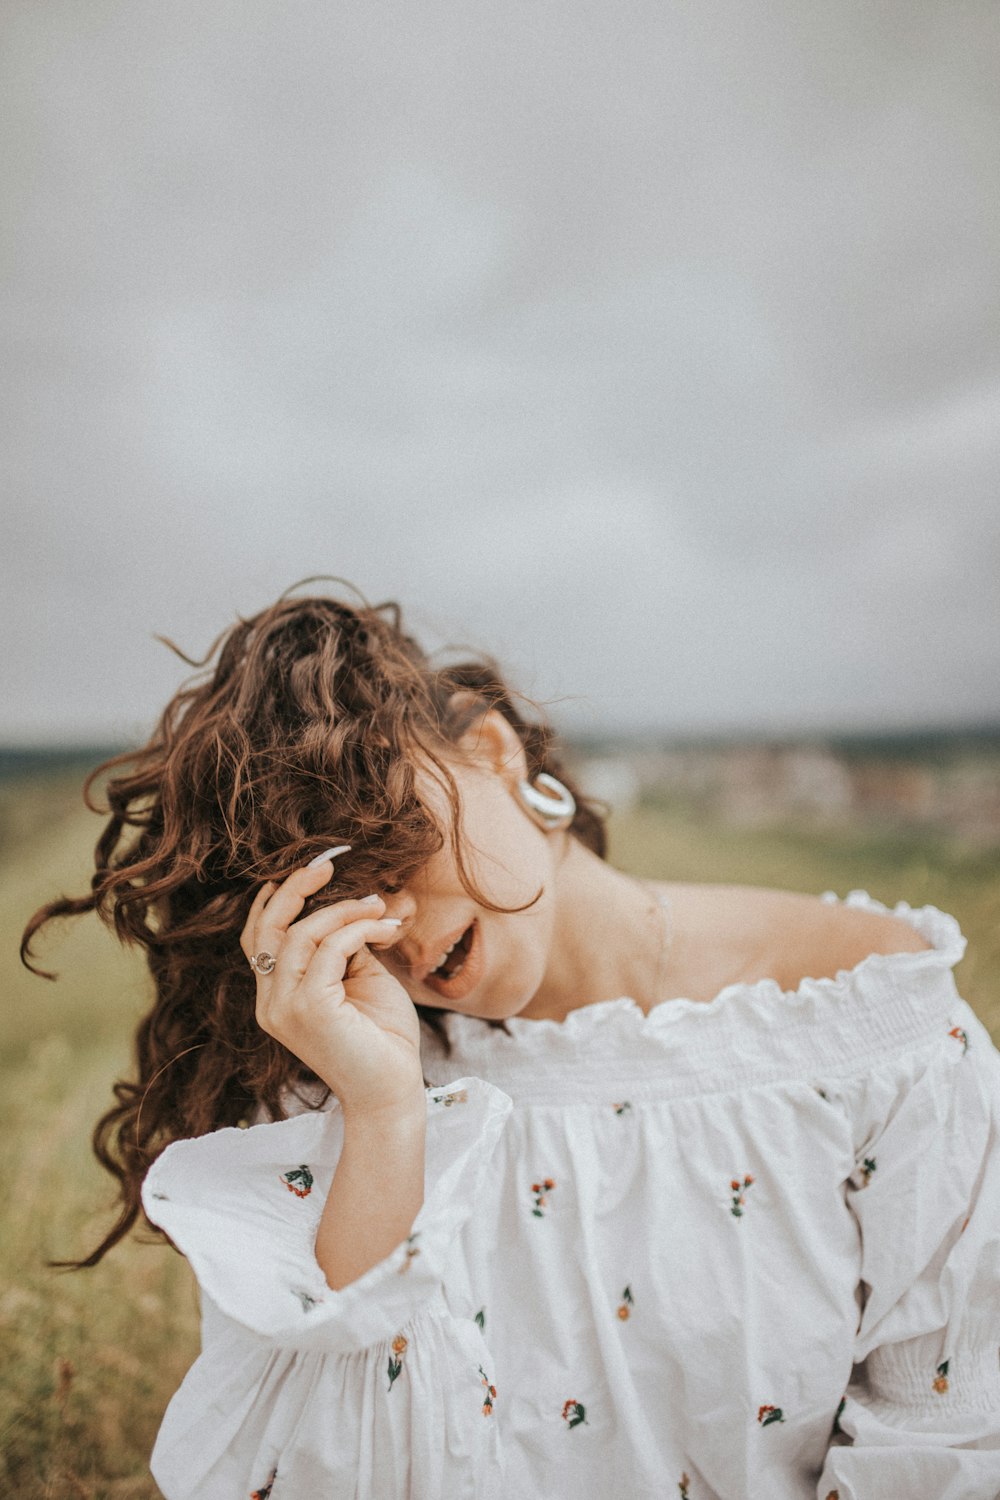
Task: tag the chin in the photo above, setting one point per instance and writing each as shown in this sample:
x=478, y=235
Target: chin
x=493, y=1007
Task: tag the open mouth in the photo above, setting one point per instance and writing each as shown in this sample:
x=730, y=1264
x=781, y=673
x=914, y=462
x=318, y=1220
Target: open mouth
x=460, y=968
x=453, y=959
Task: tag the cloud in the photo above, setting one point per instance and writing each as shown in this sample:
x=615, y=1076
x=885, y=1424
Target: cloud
x=660, y=357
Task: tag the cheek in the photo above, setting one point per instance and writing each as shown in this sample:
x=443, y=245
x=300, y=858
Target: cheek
x=517, y=946
x=508, y=857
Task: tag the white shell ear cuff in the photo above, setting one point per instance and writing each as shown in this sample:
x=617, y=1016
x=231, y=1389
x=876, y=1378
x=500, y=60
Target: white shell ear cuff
x=552, y=808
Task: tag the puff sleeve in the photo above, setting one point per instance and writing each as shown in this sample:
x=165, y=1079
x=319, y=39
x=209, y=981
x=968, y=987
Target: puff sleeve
x=374, y=1390
x=921, y=1416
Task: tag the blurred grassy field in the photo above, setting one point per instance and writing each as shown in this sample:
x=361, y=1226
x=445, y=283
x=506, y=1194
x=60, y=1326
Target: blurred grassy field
x=91, y=1358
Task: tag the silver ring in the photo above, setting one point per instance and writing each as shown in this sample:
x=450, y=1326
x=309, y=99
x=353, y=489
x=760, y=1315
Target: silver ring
x=262, y=963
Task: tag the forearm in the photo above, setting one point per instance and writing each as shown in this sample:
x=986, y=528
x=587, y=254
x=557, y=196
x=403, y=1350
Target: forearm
x=376, y=1193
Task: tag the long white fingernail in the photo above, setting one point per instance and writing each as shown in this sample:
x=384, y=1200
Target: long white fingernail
x=329, y=854
x=370, y=900
x=391, y=921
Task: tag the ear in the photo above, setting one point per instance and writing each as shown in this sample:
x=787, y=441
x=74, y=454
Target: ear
x=492, y=744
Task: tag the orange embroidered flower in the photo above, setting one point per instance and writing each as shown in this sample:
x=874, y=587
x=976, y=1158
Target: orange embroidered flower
x=265, y=1490
x=623, y=1312
x=395, y=1368
x=574, y=1413
x=539, y=1189
x=299, y=1180
x=490, y=1395
x=768, y=1414
x=626, y=1302
x=941, y=1383
x=738, y=1199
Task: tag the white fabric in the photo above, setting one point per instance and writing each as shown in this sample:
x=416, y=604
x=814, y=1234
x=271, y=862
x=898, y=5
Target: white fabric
x=863, y=1263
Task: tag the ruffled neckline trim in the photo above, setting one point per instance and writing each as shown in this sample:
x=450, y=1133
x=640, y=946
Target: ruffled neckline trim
x=757, y=998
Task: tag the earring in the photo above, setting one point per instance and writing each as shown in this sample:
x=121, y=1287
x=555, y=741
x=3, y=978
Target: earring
x=549, y=812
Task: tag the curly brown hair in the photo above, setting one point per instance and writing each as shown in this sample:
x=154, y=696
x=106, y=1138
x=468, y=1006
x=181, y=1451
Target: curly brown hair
x=304, y=727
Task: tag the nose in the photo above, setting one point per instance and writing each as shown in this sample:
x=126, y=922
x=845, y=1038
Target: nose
x=401, y=904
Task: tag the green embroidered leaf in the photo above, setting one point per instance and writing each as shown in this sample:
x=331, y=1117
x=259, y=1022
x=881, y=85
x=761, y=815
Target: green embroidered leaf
x=481, y=1318
x=840, y=1409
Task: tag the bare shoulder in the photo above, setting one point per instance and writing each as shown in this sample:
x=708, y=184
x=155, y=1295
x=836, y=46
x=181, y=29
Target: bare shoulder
x=816, y=939
x=760, y=932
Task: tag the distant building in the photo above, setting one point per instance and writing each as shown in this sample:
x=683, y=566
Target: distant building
x=949, y=784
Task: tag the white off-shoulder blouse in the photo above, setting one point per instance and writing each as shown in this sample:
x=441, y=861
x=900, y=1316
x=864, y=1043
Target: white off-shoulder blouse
x=720, y=1251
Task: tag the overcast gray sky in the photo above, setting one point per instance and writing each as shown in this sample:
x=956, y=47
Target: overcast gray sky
x=653, y=347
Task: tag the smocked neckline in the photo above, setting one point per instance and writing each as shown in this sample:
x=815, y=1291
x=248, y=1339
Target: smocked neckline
x=940, y=929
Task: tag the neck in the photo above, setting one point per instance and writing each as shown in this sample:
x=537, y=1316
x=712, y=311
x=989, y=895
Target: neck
x=610, y=937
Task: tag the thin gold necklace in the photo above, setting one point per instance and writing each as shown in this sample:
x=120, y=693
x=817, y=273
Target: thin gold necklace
x=667, y=933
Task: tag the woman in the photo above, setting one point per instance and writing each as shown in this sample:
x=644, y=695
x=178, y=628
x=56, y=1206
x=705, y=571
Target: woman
x=557, y=1183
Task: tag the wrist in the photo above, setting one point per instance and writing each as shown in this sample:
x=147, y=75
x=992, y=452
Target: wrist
x=404, y=1111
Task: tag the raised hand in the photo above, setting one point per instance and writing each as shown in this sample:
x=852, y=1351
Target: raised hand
x=327, y=997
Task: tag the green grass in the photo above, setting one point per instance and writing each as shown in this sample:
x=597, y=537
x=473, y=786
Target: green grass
x=91, y=1358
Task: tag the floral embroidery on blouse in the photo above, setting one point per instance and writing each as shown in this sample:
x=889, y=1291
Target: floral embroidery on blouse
x=396, y=1359
x=481, y=1318
x=265, y=1489
x=839, y=1413
x=574, y=1413
x=627, y=1302
x=960, y=1036
x=868, y=1166
x=682, y=1485
x=457, y=1096
x=768, y=1414
x=540, y=1189
x=941, y=1383
x=620, y=1109
x=739, y=1188
x=298, y=1181
x=411, y=1251
x=307, y=1300
x=833, y=1495
x=490, y=1395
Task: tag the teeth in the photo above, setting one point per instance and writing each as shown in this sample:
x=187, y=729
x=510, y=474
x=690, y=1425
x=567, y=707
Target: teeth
x=444, y=955
x=441, y=961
